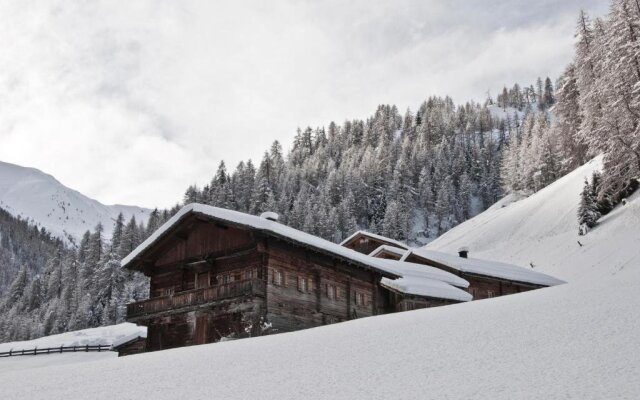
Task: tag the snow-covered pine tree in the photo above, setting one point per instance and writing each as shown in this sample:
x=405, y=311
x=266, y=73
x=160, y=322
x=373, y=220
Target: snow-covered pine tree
x=588, y=213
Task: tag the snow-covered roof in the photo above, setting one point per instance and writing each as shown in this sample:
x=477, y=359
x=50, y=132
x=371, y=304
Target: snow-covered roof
x=128, y=339
x=426, y=288
x=376, y=237
x=389, y=249
x=264, y=225
x=416, y=272
x=424, y=280
x=486, y=268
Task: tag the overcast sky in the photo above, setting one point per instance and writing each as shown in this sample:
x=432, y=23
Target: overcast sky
x=132, y=101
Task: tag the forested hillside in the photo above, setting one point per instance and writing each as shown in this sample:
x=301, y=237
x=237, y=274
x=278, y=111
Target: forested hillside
x=410, y=176
x=47, y=287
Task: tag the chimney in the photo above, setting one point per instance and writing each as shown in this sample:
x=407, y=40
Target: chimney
x=270, y=215
x=463, y=251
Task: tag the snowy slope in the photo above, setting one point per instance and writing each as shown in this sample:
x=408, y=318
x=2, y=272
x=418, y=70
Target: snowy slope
x=39, y=197
x=543, y=230
x=573, y=341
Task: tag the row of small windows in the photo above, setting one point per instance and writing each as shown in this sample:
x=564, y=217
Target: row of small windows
x=476, y=293
x=331, y=291
x=228, y=278
x=205, y=279
x=304, y=284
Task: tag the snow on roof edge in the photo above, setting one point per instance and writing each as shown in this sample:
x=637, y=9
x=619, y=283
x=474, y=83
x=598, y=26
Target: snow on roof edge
x=255, y=222
x=391, y=249
x=414, y=273
x=375, y=236
x=129, y=338
x=427, y=288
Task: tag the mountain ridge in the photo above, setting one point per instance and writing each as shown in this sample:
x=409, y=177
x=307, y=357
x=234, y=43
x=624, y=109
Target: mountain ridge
x=38, y=197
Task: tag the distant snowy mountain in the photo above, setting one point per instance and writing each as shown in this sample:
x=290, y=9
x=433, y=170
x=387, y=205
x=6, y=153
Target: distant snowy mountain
x=542, y=230
x=34, y=195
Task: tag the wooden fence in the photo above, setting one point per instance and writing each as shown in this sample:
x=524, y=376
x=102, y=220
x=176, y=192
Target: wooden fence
x=52, y=350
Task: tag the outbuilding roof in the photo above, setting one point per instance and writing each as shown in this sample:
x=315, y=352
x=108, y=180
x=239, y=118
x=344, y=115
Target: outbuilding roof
x=426, y=281
x=484, y=267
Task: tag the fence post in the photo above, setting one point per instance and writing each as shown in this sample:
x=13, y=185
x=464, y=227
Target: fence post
x=87, y=348
x=34, y=350
x=61, y=349
x=10, y=351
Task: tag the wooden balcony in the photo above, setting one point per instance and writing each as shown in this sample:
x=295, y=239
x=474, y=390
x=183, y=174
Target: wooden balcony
x=191, y=298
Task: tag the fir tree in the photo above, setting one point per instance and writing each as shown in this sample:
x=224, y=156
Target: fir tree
x=588, y=213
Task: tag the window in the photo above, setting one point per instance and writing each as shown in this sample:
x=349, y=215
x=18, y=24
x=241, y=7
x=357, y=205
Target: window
x=167, y=291
x=332, y=292
x=202, y=280
x=490, y=294
x=226, y=278
x=248, y=274
x=356, y=298
x=278, y=278
x=360, y=299
x=302, y=284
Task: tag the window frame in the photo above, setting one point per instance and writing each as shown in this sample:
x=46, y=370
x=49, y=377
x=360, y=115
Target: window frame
x=278, y=277
x=303, y=284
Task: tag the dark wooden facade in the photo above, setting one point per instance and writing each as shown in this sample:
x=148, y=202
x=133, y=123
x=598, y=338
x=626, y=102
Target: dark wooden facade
x=211, y=280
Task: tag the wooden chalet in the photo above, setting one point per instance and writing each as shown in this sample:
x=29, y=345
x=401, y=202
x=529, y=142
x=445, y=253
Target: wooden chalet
x=216, y=273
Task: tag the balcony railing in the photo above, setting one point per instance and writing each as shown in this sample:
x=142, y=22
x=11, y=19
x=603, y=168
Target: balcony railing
x=196, y=297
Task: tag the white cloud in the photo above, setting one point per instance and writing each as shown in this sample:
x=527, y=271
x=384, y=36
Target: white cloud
x=130, y=102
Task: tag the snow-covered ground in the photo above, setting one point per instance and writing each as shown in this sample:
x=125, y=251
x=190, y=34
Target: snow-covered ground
x=25, y=363
x=105, y=335
x=39, y=197
x=573, y=341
